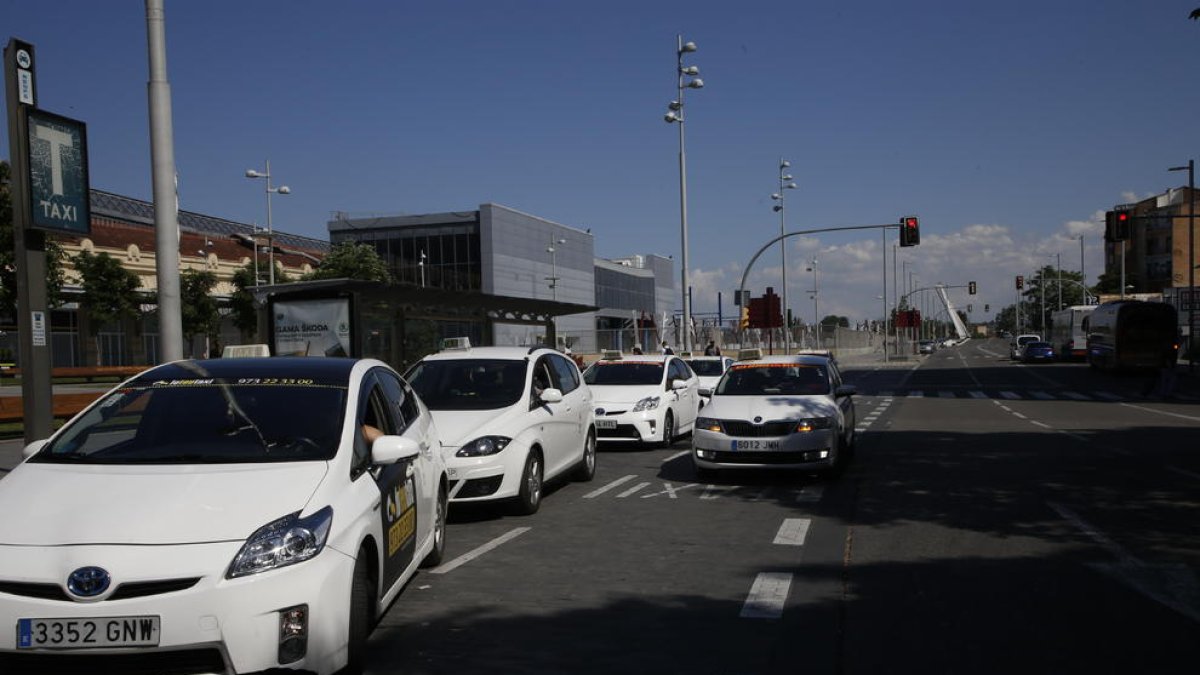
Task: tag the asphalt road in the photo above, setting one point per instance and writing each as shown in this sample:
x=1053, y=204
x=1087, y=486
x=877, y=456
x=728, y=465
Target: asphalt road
x=999, y=518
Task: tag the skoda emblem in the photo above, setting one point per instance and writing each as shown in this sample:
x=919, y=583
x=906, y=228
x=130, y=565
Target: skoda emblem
x=88, y=582
x=758, y=420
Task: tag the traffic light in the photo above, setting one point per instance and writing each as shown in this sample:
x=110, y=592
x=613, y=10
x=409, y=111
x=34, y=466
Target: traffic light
x=1020, y=282
x=744, y=321
x=1116, y=225
x=971, y=287
x=910, y=231
x=1122, y=229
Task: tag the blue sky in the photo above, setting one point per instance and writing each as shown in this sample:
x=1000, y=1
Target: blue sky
x=1007, y=127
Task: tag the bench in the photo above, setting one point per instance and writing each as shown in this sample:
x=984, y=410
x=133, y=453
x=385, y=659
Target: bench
x=65, y=405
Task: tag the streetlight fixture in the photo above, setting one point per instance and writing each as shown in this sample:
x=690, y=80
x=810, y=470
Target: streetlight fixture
x=1191, y=169
x=421, y=267
x=283, y=190
x=675, y=115
x=553, y=278
x=785, y=184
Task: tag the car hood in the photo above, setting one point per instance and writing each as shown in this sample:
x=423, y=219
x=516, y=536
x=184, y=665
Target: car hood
x=462, y=426
x=769, y=407
x=625, y=395
x=62, y=504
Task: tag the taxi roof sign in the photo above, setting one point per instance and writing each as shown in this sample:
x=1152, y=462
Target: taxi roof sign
x=456, y=343
x=244, y=351
x=748, y=354
x=611, y=355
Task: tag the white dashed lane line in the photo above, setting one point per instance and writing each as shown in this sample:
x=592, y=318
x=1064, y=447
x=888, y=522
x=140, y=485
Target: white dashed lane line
x=793, y=531
x=767, y=596
x=616, y=483
x=473, y=554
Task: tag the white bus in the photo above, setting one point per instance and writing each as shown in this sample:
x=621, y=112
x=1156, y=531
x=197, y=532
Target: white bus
x=1068, y=332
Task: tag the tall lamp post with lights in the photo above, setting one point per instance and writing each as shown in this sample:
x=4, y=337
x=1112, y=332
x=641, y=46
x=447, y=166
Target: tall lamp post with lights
x=816, y=314
x=283, y=190
x=785, y=184
x=552, y=249
x=1192, y=299
x=675, y=115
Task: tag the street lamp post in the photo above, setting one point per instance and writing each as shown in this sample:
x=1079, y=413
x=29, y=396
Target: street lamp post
x=283, y=190
x=784, y=185
x=675, y=114
x=816, y=313
x=1191, y=169
x=553, y=278
x=421, y=267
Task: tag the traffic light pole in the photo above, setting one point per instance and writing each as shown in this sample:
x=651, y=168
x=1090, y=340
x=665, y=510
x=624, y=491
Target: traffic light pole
x=775, y=240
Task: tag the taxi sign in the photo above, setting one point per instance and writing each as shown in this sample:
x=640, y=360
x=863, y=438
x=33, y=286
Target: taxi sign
x=748, y=354
x=460, y=343
x=244, y=351
x=611, y=355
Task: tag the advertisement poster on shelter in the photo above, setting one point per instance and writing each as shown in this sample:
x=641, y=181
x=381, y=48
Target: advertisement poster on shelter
x=312, y=328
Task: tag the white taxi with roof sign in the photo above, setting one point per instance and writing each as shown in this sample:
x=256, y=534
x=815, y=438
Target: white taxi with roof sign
x=788, y=412
x=651, y=399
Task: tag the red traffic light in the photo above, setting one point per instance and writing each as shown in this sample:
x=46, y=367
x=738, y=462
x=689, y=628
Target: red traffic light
x=910, y=231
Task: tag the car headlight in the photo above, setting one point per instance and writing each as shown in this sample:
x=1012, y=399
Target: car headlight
x=709, y=424
x=814, y=423
x=283, y=542
x=648, y=403
x=484, y=445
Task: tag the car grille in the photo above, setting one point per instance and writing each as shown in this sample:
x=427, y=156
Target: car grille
x=744, y=429
x=134, y=589
x=765, y=457
x=179, y=662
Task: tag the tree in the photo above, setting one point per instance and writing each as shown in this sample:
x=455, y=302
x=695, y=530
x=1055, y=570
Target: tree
x=834, y=320
x=198, y=309
x=352, y=260
x=8, y=267
x=1047, y=279
x=110, y=292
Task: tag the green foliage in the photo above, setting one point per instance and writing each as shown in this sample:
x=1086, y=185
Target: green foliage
x=198, y=309
x=8, y=268
x=110, y=292
x=352, y=260
x=834, y=320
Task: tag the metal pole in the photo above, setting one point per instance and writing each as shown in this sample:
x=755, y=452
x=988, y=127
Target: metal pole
x=1042, y=288
x=1082, y=273
x=1058, y=257
x=683, y=226
x=787, y=340
x=166, y=199
x=1122, y=243
x=1191, y=264
x=270, y=230
x=883, y=298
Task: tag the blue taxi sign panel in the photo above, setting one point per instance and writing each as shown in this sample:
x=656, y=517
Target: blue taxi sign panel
x=58, y=173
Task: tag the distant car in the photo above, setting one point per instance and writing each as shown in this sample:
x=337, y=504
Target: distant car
x=651, y=399
x=1038, y=351
x=510, y=418
x=709, y=369
x=784, y=412
x=1017, y=348
x=926, y=346
x=228, y=515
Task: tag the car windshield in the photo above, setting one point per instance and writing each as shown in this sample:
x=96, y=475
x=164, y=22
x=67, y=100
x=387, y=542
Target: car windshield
x=706, y=367
x=468, y=384
x=207, y=420
x=774, y=378
x=624, y=372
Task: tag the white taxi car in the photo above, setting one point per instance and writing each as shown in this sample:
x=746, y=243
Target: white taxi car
x=709, y=369
x=220, y=516
x=510, y=418
x=648, y=398
x=788, y=412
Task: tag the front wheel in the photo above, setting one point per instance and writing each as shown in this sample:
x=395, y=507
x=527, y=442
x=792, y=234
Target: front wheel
x=435, y=555
x=586, y=470
x=668, y=431
x=362, y=614
x=529, y=498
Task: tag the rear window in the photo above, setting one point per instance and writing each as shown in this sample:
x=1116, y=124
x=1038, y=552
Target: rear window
x=624, y=372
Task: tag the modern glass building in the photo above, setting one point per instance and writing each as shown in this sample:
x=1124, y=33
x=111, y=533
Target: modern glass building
x=496, y=250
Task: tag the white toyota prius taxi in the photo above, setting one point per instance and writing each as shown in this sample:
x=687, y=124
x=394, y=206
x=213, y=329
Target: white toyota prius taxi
x=228, y=515
x=648, y=398
x=787, y=412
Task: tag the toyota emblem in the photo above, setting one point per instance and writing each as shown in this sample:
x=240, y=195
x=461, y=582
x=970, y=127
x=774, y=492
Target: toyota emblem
x=88, y=582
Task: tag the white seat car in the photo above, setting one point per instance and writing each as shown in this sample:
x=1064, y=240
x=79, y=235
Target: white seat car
x=228, y=515
x=510, y=418
x=786, y=412
x=709, y=369
x=652, y=399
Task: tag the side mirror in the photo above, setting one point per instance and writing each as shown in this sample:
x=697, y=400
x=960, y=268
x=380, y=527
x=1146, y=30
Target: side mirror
x=33, y=448
x=679, y=384
x=551, y=395
x=705, y=391
x=845, y=390
x=392, y=449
